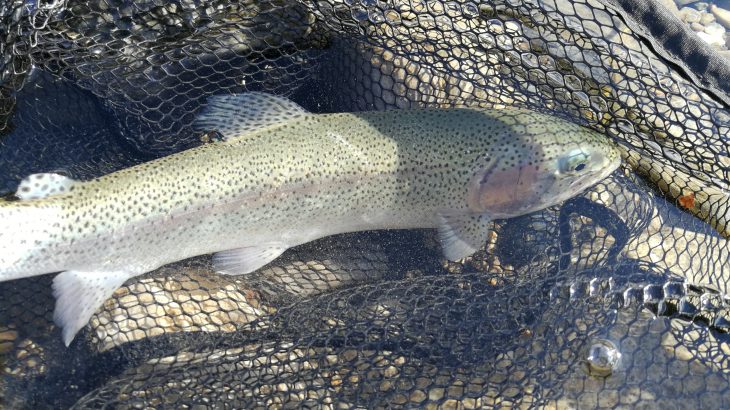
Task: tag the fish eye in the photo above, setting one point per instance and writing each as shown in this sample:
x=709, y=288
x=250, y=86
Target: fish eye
x=576, y=161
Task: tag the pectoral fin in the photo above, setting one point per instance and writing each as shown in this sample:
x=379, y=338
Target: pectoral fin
x=461, y=234
x=79, y=295
x=248, y=259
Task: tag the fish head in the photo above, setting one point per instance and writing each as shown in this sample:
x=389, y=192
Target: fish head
x=577, y=167
x=539, y=171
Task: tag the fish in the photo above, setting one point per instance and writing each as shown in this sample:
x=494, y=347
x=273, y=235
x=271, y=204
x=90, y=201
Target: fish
x=281, y=176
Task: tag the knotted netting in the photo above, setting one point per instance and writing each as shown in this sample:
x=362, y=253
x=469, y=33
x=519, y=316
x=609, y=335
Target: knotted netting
x=617, y=298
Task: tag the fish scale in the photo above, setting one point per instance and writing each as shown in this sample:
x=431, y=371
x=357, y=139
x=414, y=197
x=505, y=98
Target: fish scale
x=283, y=177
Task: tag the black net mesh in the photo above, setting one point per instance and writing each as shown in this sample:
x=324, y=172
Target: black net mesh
x=617, y=298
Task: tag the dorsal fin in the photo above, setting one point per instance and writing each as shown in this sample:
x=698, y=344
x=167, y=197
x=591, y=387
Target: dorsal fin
x=236, y=115
x=36, y=186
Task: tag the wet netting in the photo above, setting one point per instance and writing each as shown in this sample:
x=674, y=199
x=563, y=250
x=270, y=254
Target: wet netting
x=615, y=299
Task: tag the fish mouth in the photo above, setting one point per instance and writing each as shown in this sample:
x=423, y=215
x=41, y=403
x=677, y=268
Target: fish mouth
x=581, y=180
x=586, y=181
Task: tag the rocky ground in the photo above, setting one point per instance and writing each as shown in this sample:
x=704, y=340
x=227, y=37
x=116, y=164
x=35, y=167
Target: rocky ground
x=709, y=19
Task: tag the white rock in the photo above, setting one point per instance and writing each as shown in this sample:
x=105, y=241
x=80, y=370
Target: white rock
x=707, y=18
x=715, y=29
x=722, y=15
x=701, y=6
x=712, y=40
x=689, y=15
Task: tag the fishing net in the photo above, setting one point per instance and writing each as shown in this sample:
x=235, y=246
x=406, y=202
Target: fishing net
x=616, y=298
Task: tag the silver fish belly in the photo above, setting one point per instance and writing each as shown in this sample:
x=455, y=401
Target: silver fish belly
x=283, y=177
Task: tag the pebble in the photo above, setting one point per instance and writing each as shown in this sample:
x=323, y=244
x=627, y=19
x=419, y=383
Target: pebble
x=721, y=15
x=711, y=39
x=689, y=15
x=710, y=22
x=8, y=335
x=715, y=29
x=701, y=6
x=707, y=18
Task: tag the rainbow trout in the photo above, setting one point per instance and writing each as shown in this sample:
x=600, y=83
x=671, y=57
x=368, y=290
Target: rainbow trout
x=282, y=177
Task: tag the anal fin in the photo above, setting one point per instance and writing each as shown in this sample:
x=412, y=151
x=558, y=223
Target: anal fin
x=462, y=233
x=79, y=295
x=247, y=259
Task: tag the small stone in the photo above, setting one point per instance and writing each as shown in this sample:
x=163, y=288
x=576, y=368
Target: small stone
x=128, y=301
x=165, y=322
x=712, y=40
x=391, y=371
x=436, y=394
x=399, y=399
x=135, y=312
x=689, y=15
x=451, y=404
x=470, y=403
x=721, y=15
x=418, y=396
x=701, y=6
x=6, y=347
x=155, y=331
x=162, y=298
x=336, y=380
x=707, y=18
x=697, y=27
x=190, y=308
x=8, y=335
x=146, y=298
x=209, y=306
x=715, y=29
